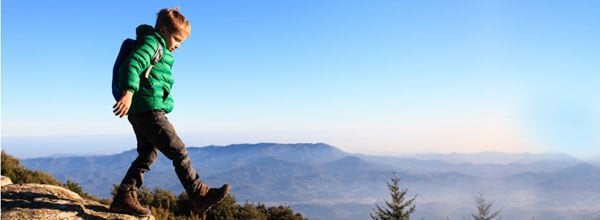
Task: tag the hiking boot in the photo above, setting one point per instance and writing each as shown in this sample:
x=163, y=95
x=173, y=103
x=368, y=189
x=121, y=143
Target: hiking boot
x=204, y=198
x=126, y=202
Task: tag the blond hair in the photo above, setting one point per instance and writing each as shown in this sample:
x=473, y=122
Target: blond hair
x=173, y=21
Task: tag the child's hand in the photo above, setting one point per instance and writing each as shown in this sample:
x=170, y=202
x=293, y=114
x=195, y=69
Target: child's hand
x=122, y=106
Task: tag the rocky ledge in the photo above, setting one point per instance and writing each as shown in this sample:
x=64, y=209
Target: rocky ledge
x=40, y=201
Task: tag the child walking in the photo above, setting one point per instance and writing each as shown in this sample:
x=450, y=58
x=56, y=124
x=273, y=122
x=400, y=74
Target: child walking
x=146, y=100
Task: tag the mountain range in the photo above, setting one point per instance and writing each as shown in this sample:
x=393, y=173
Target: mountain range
x=323, y=182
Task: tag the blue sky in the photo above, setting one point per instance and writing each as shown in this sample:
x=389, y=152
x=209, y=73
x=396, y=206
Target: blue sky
x=375, y=77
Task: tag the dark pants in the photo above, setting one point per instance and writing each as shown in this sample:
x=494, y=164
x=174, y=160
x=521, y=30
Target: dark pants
x=154, y=132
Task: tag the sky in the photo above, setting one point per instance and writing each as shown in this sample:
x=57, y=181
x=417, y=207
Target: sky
x=374, y=77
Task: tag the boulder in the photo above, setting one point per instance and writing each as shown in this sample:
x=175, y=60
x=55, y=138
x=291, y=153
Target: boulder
x=5, y=180
x=41, y=201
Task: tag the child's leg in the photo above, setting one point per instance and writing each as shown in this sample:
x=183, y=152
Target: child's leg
x=157, y=129
x=126, y=200
x=147, y=154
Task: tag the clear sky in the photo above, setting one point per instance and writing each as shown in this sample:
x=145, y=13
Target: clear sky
x=375, y=77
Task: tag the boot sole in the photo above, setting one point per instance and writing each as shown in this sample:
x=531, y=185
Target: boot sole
x=125, y=211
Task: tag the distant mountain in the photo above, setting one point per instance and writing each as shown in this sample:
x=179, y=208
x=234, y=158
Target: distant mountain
x=467, y=163
x=268, y=161
x=496, y=157
x=595, y=162
x=324, y=182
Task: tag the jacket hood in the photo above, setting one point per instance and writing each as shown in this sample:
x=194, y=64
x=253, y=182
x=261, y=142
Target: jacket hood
x=144, y=30
x=147, y=30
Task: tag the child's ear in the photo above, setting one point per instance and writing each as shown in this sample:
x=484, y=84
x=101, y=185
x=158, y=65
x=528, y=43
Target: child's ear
x=162, y=31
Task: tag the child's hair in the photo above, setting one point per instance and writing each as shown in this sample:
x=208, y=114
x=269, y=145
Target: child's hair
x=173, y=21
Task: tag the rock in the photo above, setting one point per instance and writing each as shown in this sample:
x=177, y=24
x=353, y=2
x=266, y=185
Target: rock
x=6, y=181
x=41, y=201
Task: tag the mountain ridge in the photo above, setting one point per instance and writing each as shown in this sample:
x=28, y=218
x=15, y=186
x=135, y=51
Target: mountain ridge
x=304, y=174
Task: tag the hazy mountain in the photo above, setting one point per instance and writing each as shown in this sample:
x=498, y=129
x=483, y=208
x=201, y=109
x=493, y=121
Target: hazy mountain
x=595, y=162
x=496, y=157
x=325, y=183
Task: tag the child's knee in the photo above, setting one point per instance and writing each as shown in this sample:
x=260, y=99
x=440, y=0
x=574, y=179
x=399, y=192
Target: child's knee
x=176, y=153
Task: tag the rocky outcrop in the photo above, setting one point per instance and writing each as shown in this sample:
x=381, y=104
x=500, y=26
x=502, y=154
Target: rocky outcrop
x=5, y=180
x=40, y=201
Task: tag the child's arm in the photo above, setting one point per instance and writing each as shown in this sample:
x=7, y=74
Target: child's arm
x=122, y=106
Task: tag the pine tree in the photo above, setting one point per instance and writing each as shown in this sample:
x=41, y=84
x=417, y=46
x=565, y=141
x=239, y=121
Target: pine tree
x=399, y=208
x=484, y=210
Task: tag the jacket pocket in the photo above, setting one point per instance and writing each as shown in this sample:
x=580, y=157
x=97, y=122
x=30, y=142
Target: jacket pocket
x=145, y=87
x=166, y=93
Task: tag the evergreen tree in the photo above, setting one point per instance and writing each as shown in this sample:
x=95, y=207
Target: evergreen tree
x=399, y=208
x=484, y=210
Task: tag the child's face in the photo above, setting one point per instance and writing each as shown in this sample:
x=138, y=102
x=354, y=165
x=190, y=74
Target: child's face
x=173, y=40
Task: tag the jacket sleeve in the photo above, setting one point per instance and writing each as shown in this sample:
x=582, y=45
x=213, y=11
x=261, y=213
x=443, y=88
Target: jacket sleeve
x=134, y=66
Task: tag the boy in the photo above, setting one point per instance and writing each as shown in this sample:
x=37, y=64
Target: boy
x=146, y=100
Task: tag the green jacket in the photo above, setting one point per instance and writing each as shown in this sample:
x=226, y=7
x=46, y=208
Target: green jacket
x=152, y=93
